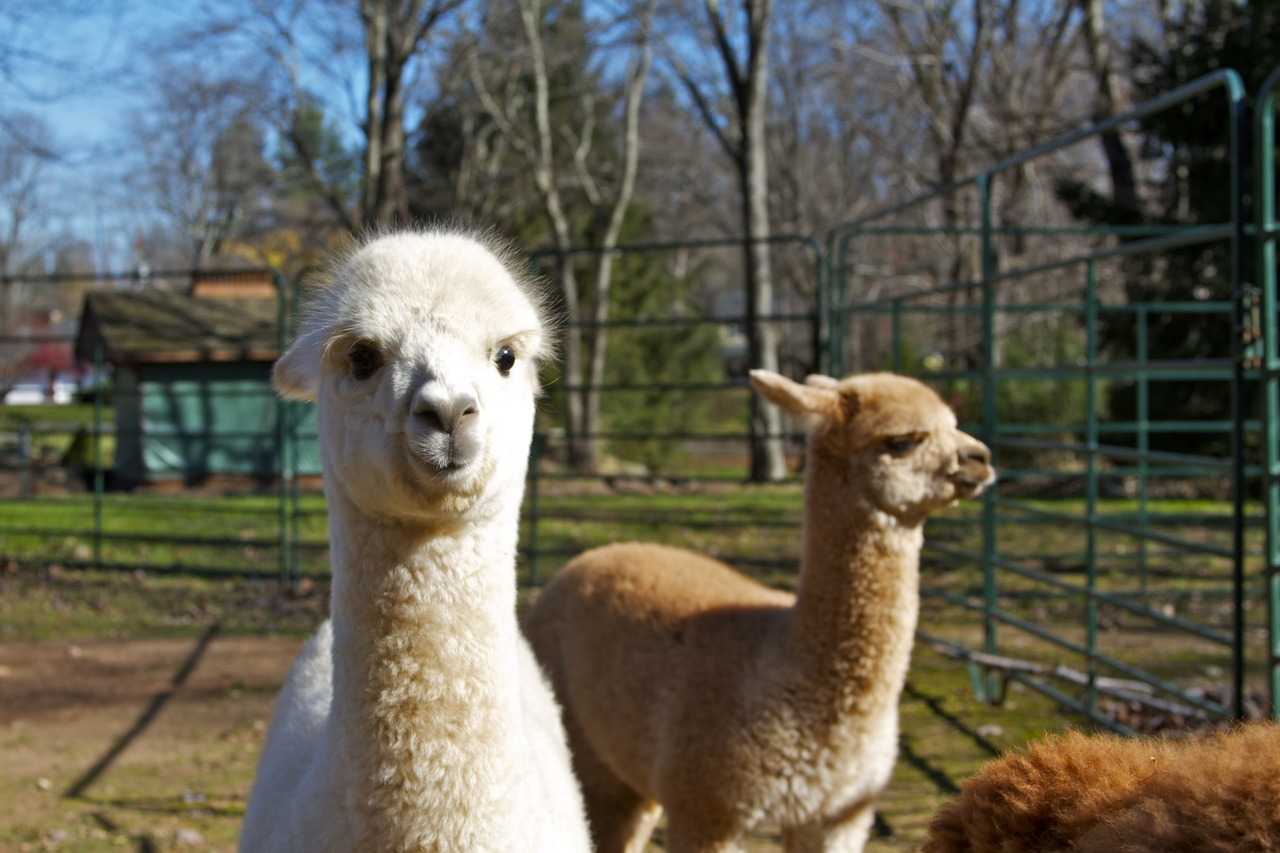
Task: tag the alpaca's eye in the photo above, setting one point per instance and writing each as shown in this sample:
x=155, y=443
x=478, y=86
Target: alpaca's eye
x=901, y=445
x=505, y=359
x=364, y=358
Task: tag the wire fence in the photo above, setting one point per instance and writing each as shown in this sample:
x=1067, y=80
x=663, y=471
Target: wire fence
x=1126, y=564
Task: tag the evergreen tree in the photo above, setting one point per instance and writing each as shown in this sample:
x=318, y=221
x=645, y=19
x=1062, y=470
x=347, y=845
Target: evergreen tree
x=654, y=358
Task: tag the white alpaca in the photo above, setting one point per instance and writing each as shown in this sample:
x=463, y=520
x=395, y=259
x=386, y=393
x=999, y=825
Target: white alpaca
x=417, y=718
x=685, y=684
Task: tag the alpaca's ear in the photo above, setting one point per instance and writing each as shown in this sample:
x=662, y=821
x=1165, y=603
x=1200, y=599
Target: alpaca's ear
x=817, y=380
x=296, y=374
x=800, y=401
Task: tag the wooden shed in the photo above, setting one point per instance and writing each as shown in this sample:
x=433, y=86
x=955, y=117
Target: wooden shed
x=191, y=379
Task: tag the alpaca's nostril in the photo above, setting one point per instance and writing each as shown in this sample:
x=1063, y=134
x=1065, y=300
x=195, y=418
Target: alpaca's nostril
x=431, y=420
x=441, y=410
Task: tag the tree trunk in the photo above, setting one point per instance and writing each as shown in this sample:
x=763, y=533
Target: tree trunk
x=768, y=457
x=636, y=77
x=390, y=202
x=580, y=445
x=376, y=25
x=394, y=32
x=1119, y=162
x=748, y=82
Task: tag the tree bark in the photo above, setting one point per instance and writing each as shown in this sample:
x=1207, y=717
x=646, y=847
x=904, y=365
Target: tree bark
x=748, y=82
x=634, y=94
x=395, y=30
x=1119, y=161
x=585, y=351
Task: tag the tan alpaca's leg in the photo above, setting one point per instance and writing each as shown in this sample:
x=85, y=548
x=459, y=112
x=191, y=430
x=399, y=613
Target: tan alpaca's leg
x=848, y=834
x=697, y=836
x=621, y=820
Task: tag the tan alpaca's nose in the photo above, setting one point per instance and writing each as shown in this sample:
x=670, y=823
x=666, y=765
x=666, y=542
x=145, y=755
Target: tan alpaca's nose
x=976, y=455
x=975, y=471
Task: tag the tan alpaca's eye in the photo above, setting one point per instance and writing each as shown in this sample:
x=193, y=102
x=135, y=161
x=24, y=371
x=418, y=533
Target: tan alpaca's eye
x=901, y=445
x=364, y=358
x=505, y=359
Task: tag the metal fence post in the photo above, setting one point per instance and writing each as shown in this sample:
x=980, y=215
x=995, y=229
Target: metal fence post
x=1239, y=138
x=1092, y=441
x=990, y=416
x=1267, y=233
x=99, y=475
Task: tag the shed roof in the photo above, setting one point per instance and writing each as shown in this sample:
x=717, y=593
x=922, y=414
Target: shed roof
x=152, y=326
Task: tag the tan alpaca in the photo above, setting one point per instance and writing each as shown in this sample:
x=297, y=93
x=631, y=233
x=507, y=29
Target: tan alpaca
x=1219, y=794
x=685, y=684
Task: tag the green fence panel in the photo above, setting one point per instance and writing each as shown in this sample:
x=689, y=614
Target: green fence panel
x=1119, y=520
x=1129, y=559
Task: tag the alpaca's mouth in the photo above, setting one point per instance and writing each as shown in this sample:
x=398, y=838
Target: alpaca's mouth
x=969, y=487
x=446, y=466
x=443, y=454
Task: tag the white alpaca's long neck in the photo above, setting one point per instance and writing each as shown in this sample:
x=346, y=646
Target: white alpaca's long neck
x=857, y=598
x=425, y=661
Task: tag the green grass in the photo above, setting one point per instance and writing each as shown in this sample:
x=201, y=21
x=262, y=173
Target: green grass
x=754, y=528
x=52, y=603
x=69, y=415
x=54, y=431
x=235, y=534
x=201, y=783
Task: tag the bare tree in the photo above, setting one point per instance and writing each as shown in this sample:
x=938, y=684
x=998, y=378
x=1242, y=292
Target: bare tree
x=559, y=156
x=734, y=106
x=202, y=157
x=307, y=47
x=24, y=155
x=26, y=150
x=40, y=64
x=1109, y=97
x=394, y=31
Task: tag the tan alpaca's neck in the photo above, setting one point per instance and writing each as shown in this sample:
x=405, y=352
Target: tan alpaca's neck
x=424, y=643
x=857, y=601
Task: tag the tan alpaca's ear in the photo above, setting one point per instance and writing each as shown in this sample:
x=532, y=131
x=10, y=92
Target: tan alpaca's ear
x=296, y=374
x=799, y=401
x=817, y=380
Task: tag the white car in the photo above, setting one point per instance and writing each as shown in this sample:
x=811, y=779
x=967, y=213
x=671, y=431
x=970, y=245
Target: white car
x=31, y=392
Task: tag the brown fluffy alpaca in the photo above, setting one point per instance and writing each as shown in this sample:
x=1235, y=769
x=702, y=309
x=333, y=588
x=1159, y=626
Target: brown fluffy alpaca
x=1110, y=794
x=686, y=684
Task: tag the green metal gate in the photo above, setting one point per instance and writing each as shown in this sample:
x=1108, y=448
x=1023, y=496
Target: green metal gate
x=1266, y=357
x=1036, y=335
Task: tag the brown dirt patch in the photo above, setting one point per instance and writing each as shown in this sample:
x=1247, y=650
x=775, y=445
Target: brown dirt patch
x=151, y=744
x=141, y=744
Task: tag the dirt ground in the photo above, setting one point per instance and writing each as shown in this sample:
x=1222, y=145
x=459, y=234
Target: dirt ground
x=142, y=745
x=150, y=745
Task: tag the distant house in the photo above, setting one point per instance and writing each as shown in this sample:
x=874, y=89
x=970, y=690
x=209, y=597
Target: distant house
x=191, y=389
x=45, y=370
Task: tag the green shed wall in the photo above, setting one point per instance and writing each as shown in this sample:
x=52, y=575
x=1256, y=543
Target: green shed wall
x=193, y=420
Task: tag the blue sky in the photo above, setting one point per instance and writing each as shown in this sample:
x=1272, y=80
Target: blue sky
x=85, y=68
x=73, y=71
x=80, y=67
